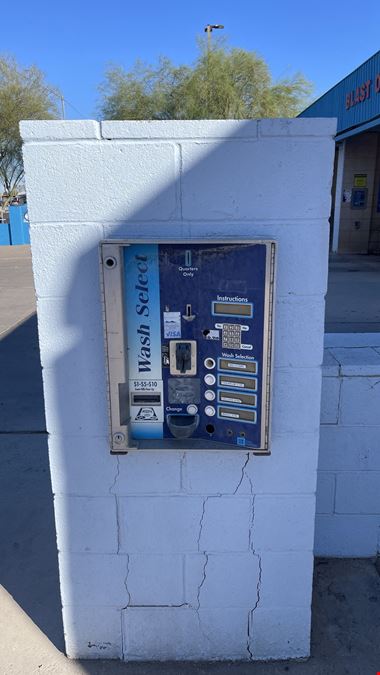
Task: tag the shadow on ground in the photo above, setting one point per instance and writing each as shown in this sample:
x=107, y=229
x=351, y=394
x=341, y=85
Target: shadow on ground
x=28, y=554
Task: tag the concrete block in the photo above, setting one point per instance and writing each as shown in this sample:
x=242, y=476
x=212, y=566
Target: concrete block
x=351, y=340
x=58, y=130
x=81, y=466
x=148, y=181
x=155, y=580
x=225, y=525
x=72, y=395
x=76, y=330
x=296, y=400
x=179, y=129
x=325, y=492
x=291, y=467
x=145, y=230
x=348, y=448
x=66, y=264
x=95, y=193
x=331, y=390
x=281, y=633
x=159, y=524
x=286, y=579
x=290, y=518
x=358, y=492
x=93, y=580
x=357, y=361
x=230, y=580
x=152, y=634
x=330, y=366
x=86, y=524
x=153, y=472
x=298, y=127
x=213, y=472
x=299, y=343
x=227, y=180
x=346, y=536
x=360, y=401
x=92, y=633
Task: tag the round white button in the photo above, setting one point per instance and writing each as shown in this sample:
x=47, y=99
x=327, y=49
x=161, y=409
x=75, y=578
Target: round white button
x=210, y=410
x=192, y=409
x=209, y=394
x=209, y=363
x=210, y=379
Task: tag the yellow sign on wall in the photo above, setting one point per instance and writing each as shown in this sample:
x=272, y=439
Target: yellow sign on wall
x=360, y=180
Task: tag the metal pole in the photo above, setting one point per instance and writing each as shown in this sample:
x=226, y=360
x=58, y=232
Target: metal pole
x=62, y=106
x=338, y=196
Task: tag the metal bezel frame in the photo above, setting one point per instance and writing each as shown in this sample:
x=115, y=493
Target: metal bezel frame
x=114, y=319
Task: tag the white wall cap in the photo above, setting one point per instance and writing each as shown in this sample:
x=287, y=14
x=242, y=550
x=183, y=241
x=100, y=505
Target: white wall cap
x=352, y=339
x=181, y=129
x=299, y=126
x=357, y=360
x=57, y=130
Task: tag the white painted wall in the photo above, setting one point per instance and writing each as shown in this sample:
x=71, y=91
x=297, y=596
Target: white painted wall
x=180, y=555
x=348, y=494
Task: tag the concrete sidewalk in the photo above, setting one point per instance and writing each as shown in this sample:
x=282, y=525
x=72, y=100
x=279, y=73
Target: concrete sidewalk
x=353, y=295
x=346, y=603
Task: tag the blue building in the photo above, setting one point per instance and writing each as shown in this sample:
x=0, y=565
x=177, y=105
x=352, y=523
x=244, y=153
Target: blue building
x=355, y=102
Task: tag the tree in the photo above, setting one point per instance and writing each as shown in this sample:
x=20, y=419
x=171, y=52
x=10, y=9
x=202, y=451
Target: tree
x=24, y=95
x=223, y=83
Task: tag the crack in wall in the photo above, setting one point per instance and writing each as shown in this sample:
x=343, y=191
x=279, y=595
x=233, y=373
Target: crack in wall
x=181, y=470
x=111, y=492
x=126, y=584
x=201, y=521
x=130, y=606
x=259, y=581
x=242, y=473
x=203, y=579
x=202, y=582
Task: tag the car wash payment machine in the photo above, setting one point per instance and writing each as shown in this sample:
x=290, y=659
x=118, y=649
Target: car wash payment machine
x=188, y=329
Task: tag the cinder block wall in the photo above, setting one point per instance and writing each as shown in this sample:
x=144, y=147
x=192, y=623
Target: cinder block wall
x=180, y=555
x=348, y=493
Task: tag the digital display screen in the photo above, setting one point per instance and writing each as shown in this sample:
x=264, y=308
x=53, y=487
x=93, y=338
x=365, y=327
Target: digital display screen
x=232, y=309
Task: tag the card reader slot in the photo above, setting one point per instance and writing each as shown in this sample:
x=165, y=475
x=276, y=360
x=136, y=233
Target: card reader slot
x=145, y=398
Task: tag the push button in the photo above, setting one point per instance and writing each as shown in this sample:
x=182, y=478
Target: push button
x=210, y=410
x=210, y=379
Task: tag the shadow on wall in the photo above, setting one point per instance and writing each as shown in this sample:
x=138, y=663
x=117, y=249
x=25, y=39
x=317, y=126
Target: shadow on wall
x=28, y=553
x=75, y=376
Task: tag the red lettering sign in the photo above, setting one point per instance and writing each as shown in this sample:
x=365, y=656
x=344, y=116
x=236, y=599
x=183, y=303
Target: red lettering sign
x=361, y=93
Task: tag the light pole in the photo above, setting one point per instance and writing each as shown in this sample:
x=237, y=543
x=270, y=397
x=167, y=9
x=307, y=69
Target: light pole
x=208, y=29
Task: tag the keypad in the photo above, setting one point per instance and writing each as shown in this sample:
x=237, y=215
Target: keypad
x=231, y=335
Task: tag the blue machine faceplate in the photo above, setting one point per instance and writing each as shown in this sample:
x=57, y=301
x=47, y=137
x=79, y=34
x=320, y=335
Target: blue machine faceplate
x=213, y=294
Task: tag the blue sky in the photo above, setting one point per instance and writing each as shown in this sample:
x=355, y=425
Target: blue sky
x=73, y=41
